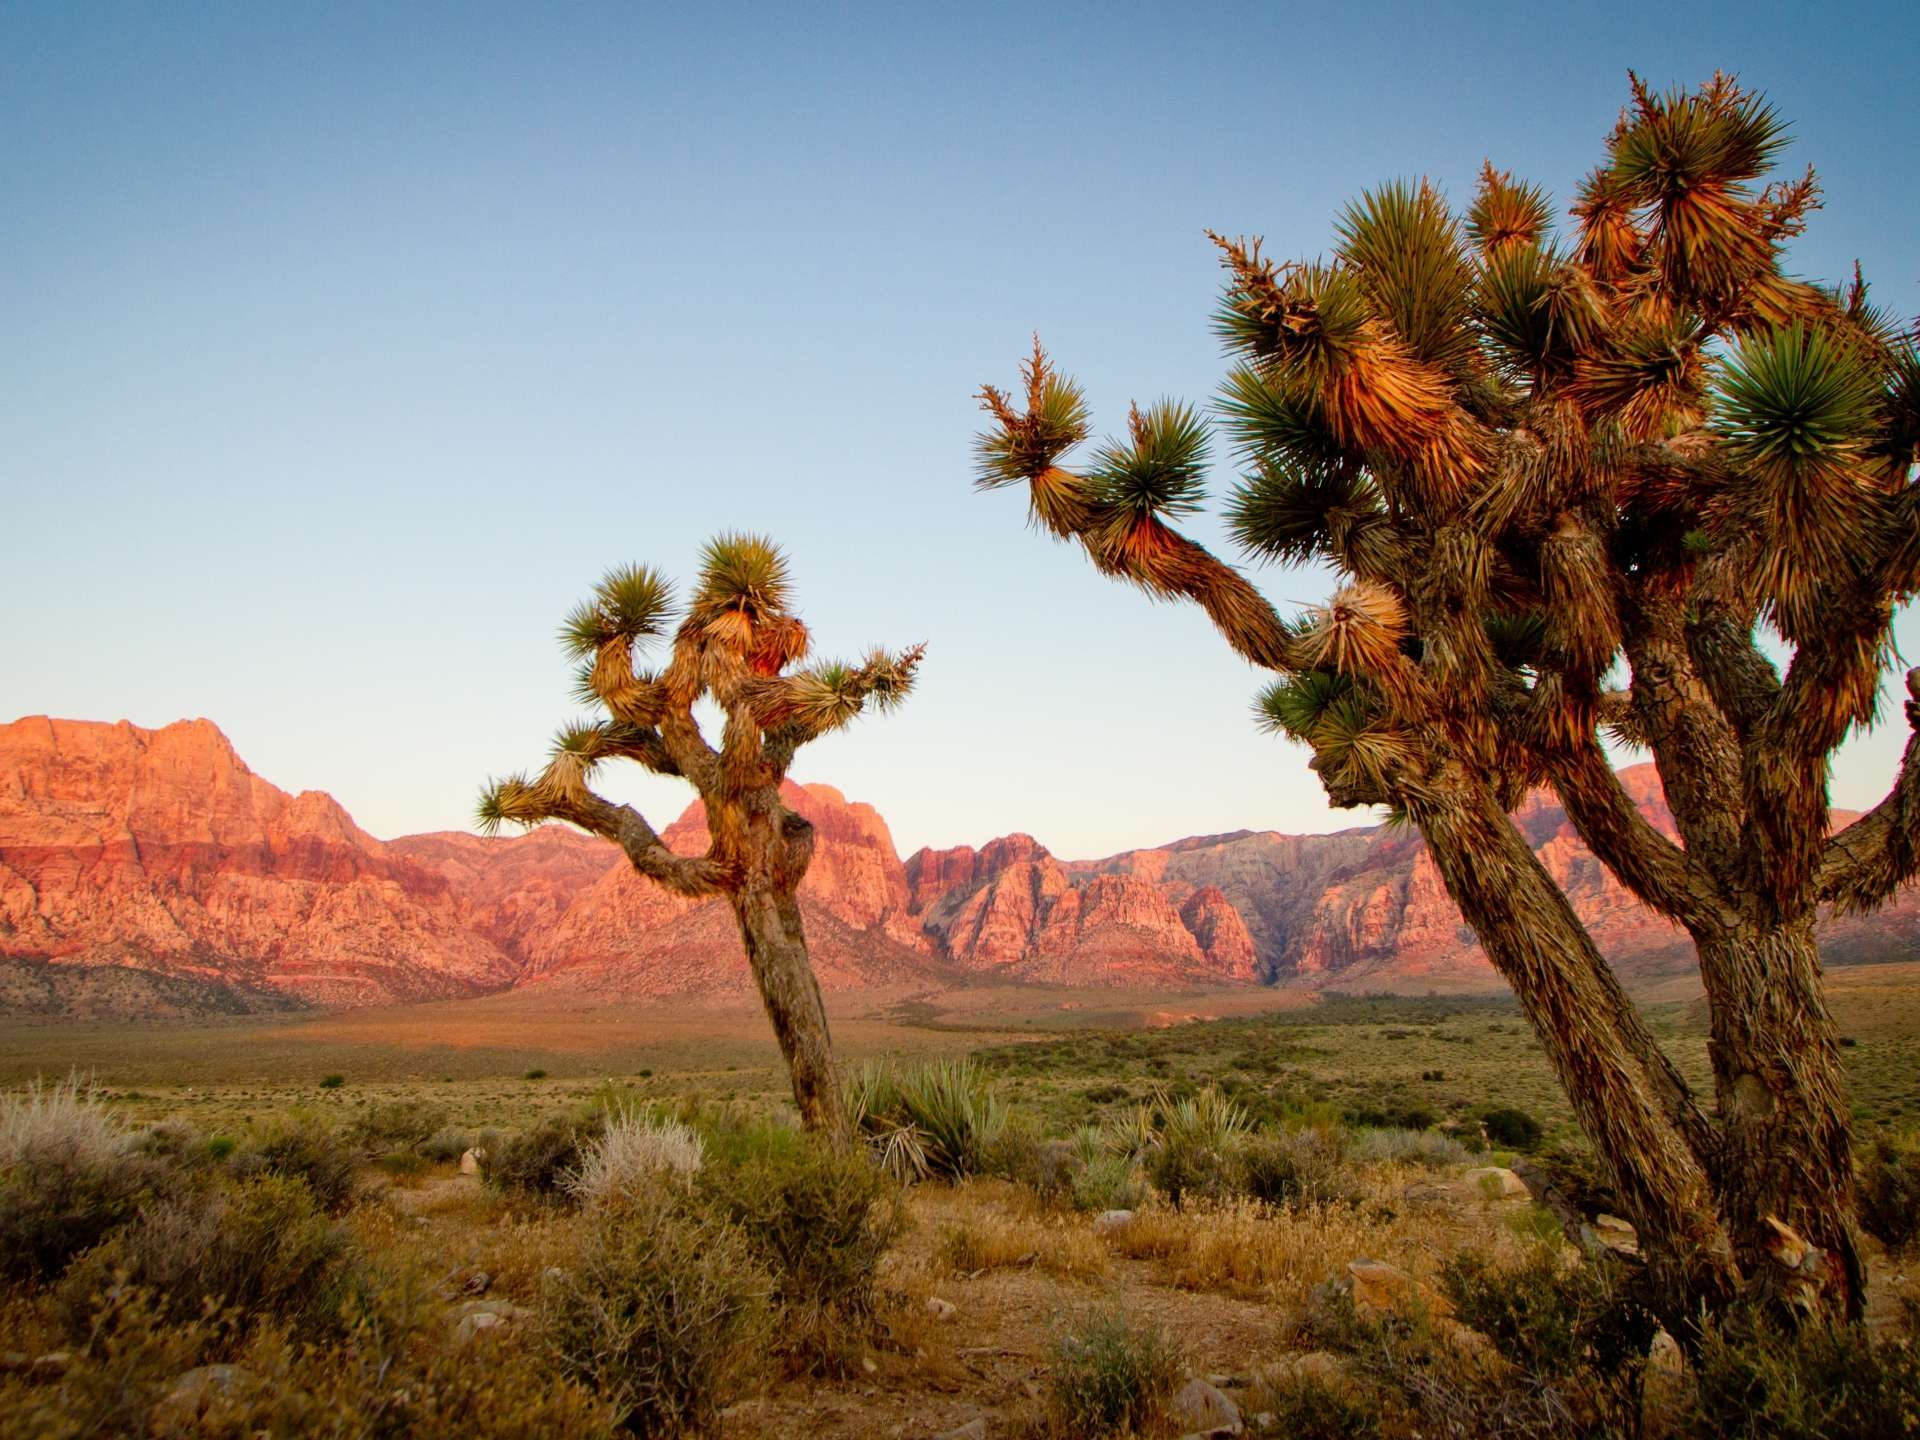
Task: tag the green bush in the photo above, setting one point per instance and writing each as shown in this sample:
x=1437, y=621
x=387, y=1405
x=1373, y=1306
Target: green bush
x=1195, y=1144
x=1889, y=1189
x=382, y=1126
x=538, y=1162
x=305, y=1146
x=1752, y=1381
x=332, y=1082
x=69, y=1176
x=1297, y=1167
x=1513, y=1129
x=446, y=1145
x=256, y=1247
x=819, y=1221
x=665, y=1314
x=1110, y=1376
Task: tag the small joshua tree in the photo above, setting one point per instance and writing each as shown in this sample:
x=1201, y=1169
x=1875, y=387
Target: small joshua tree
x=736, y=645
x=1529, y=460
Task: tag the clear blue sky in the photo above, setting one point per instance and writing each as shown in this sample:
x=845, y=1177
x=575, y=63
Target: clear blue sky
x=342, y=346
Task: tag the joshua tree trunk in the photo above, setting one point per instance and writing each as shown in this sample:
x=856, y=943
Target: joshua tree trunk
x=1621, y=1086
x=776, y=944
x=1785, y=1152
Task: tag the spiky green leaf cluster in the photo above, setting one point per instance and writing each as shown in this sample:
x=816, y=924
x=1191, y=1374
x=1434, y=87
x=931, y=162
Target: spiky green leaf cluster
x=631, y=602
x=1683, y=138
x=1057, y=419
x=1271, y=411
x=741, y=570
x=1308, y=316
x=1159, y=469
x=1295, y=514
x=1793, y=400
x=1505, y=212
x=508, y=800
x=1405, y=247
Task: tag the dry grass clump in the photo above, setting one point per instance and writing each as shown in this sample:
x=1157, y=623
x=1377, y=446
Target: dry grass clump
x=633, y=1152
x=1256, y=1251
x=1426, y=1149
x=665, y=1312
x=69, y=1175
x=1000, y=1242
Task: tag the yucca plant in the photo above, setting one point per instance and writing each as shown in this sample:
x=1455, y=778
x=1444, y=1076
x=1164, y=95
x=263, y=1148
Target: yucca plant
x=938, y=1118
x=1568, y=484
x=739, y=645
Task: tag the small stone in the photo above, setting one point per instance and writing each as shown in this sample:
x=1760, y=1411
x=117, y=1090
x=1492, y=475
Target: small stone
x=1497, y=1181
x=1616, y=1234
x=196, y=1389
x=52, y=1365
x=477, y=1283
x=942, y=1310
x=1204, y=1410
x=470, y=1163
x=974, y=1429
x=866, y=1364
x=1108, y=1221
x=1664, y=1356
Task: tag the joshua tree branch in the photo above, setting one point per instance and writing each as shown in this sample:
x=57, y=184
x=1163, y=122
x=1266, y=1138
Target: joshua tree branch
x=1612, y=827
x=559, y=794
x=1865, y=863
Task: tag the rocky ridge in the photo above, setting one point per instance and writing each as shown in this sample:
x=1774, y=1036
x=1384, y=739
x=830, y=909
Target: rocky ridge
x=151, y=872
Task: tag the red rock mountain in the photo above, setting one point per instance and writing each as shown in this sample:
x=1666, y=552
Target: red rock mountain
x=150, y=872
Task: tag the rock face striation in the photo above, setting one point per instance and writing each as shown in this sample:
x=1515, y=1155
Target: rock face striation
x=150, y=872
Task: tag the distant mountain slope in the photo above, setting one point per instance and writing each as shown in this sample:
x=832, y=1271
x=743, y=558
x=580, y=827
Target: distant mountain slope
x=151, y=872
x=160, y=850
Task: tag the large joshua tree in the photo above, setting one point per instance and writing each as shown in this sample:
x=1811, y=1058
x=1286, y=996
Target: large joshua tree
x=1634, y=480
x=736, y=645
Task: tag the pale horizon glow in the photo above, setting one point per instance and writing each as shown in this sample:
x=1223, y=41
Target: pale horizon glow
x=345, y=349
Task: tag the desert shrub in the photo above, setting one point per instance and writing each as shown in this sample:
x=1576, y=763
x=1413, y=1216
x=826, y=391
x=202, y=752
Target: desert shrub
x=665, y=1314
x=1753, y=1381
x=302, y=1145
x=1551, y=1316
x=1429, y=1148
x=819, y=1220
x=1304, y=1167
x=332, y=1082
x=538, y=1162
x=69, y=1175
x=1303, y=1405
x=176, y=1143
x=1889, y=1188
x=1110, y=1376
x=446, y=1145
x=634, y=1151
x=383, y=1126
x=128, y=1356
x=257, y=1247
x=939, y=1118
x=1391, y=1113
x=1514, y=1129
x=536, y=1074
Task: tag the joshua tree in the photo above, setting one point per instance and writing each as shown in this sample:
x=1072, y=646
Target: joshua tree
x=735, y=646
x=1569, y=486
